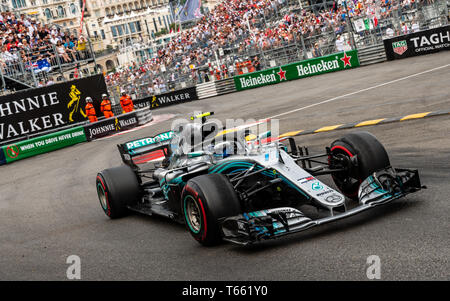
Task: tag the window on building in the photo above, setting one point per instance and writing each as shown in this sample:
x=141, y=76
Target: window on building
x=73, y=9
x=132, y=27
x=120, y=30
x=48, y=13
x=61, y=12
x=19, y=3
x=154, y=23
x=114, y=31
x=138, y=25
x=102, y=33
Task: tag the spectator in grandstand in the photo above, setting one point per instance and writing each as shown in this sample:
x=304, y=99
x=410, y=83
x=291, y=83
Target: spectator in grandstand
x=415, y=27
x=70, y=48
x=256, y=63
x=404, y=28
x=340, y=43
x=61, y=50
x=81, y=47
x=317, y=52
x=390, y=32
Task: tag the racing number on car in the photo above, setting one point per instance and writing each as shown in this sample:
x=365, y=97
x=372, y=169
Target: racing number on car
x=12, y=151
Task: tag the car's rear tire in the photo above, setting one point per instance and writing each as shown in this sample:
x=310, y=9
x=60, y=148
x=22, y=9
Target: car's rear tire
x=117, y=188
x=205, y=199
x=371, y=157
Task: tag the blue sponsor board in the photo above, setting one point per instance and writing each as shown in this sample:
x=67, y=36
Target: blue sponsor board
x=2, y=156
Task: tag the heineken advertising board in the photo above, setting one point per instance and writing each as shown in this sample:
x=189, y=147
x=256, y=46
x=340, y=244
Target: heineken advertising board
x=311, y=67
x=43, y=144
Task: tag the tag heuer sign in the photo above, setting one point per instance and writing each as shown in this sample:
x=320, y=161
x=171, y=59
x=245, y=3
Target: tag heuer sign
x=400, y=47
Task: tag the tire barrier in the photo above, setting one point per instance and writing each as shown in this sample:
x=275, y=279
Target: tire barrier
x=225, y=86
x=144, y=115
x=214, y=88
x=206, y=90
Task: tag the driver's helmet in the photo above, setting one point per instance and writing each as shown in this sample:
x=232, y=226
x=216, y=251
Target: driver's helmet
x=183, y=140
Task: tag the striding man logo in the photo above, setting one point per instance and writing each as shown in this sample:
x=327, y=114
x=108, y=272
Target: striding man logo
x=74, y=104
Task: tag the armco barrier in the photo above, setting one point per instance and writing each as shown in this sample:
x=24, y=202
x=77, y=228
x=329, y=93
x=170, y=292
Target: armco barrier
x=43, y=144
x=418, y=43
x=315, y=66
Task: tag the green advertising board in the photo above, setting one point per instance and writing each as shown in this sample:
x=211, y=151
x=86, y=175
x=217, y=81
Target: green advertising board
x=311, y=67
x=43, y=144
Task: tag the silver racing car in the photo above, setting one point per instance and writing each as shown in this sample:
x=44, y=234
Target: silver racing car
x=244, y=188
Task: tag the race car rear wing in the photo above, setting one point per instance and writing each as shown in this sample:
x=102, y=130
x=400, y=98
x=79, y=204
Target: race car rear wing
x=145, y=149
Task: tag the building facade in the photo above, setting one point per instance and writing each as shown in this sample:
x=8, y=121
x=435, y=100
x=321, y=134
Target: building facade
x=119, y=23
x=64, y=13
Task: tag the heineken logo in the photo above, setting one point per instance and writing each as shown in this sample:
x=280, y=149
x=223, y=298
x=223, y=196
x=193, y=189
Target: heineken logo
x=400, y=47
x=322, y=66
x=262, y=79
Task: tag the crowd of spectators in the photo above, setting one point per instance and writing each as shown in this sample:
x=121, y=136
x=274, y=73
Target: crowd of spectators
x=25, y=40
x=245, y=25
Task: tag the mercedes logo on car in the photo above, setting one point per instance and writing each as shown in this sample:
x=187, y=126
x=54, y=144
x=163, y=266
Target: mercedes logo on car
x=334, y=198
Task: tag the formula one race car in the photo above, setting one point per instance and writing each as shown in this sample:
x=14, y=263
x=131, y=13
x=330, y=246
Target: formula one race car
x=245, y=188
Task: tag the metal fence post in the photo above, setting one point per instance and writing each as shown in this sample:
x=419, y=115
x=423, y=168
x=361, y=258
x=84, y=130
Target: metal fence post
x=302, y=39
x=58, y=60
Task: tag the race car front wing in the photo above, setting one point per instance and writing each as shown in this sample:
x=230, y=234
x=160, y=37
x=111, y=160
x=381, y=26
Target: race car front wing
x=380, y=188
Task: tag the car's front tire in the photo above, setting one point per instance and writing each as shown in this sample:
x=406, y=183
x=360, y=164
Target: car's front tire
x=205, y=199
x=117, y=188
x=370, y=155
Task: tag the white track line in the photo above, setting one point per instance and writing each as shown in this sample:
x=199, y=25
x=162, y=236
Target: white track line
x=359, y=91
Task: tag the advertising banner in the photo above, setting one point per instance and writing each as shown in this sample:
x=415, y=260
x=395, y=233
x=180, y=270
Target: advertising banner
x=418, y=43
x=167, y=99
x=110, y=126
x=35, y=110
x=43, y=144
x=311, y=67
x=2, y=157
